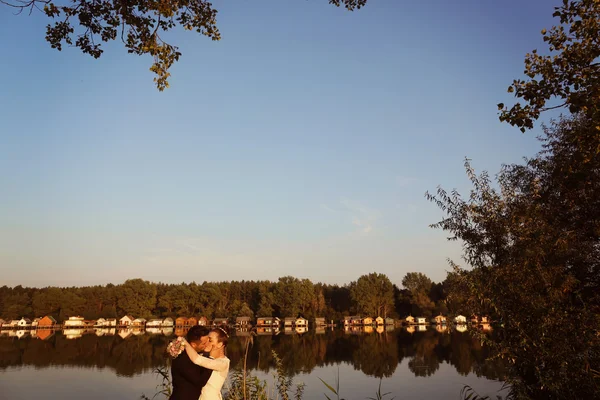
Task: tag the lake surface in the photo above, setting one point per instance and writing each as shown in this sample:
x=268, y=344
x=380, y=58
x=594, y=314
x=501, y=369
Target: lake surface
x=100, y=364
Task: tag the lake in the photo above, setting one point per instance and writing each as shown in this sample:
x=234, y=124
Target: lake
x=99, y=364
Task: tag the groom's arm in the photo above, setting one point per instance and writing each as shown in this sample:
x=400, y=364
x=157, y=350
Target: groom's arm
x=194, y=374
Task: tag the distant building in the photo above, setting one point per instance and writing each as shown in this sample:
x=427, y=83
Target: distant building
x=438, y=320
x=242, y=321
x=46, y=323
x=181, y=321
x=139, y=322
x=367, y=321
x=167, y=322
x=154, y=323
x=301, y=322
x=460, y=319
x=126, y=320
x=379, y=321
x=389, y=321
x=111, y=322
x=220, y=322
x=73, y=322
x=34, y=322
x=203, y=321
x=267, y=321
x=24, y=323
x=289, y=321
x=320, y=322
x=410, y=320
x=421, y=321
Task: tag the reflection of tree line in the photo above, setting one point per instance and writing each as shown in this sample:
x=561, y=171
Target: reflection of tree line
x=375, y=354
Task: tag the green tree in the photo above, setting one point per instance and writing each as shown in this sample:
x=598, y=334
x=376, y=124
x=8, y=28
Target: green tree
x=140, y=24
x=136, y=297
x=532, y=246
x=373, y=295
x=419, y=287
x=569, y=75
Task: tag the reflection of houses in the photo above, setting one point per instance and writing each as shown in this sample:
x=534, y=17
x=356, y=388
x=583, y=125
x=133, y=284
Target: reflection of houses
x=268, y=321
x=320, y=329
x=439, y=320
x=368, y=328
x=48, y=322
x=367, y=321
x=301, y=323
x=168, y=322
x=139, y=323
x=105, y=331
x=389, y=321
x=460, y=319
x=24, y=323
x=243, y=322
x=380, y=329
x=421, y=328
x=267, y=330
x=301, y=329
x=410, y=320
x=354, y=320
x=73, y=333
x=319, y=321
x=21, y=333
x=153, y=330
x=421, y=320
x=461, y=327
x=181, y=330
x=73, y=322
x=220, y=322
x=440, y=328
x=168, y=331
x=125, y=333
x=126, y=320
x=379, y=321
x=45, y=334
x=242, y=332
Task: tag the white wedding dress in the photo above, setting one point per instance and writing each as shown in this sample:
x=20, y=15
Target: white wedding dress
x=220, y=367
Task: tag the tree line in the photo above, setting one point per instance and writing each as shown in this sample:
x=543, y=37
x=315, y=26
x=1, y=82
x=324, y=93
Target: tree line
x=370, y=295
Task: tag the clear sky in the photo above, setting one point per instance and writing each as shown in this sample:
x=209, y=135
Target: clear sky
x=300, y=144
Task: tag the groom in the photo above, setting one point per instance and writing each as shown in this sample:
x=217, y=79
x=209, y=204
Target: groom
x=188, y=378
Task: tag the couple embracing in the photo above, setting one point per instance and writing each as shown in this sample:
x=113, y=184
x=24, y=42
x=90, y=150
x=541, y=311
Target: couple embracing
x=200, y=367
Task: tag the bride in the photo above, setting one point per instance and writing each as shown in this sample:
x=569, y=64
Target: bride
x=218, y=362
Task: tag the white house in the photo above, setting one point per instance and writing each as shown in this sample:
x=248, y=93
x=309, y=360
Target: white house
x=24, y=323
x=421, y=320
x=410, y=320
x=139, y=322
x=301, y=322
x=168, y=322
x=100, y=322
x=154, y=323
x=460, y=319
x=74, y=321
x=126, y=320
x=110, y=322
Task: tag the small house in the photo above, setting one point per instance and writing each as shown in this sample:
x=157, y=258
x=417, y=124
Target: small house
x=73, y=322
x=111, y=322
x=320, y=322
x=301, y=322
x=243, y=321
x=154, y=323
x=203, y=321
x=379, y=321
x=2, y=322
x=460, y=319
x=34, y=323
x=438, y=320
x=139, y=322
x=47, y=322
x=192, y=321
x=100, y=322
x=268, y=321
x=389, y=321
x=367, y=321
x=410, y=320
x=168, y=322
x=356, y=320
x=288, y=322
x=126, y=320
x=421, y=320
x=181, y=321
x=24, y=323
x=220, y=322
x=347, y=320
x=13, y=323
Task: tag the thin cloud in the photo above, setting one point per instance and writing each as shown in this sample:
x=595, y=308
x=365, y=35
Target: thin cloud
x=363, y=217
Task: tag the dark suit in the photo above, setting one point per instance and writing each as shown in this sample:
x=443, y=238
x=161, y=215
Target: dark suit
x=188, y=378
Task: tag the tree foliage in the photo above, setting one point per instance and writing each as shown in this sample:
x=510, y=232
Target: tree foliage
x=373, y=294
x=141, y=25
x=568, y=75
x=534, y=249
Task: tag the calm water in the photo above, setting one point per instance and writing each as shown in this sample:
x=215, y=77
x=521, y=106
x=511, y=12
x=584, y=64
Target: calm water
x=417, y=365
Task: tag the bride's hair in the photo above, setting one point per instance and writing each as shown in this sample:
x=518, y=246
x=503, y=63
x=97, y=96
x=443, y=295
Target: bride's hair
x=222, y=335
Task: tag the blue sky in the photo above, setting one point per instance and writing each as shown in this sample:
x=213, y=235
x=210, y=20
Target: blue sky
x=300, y=144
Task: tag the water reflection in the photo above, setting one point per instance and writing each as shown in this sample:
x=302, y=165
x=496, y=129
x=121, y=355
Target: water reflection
x=375, y=352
